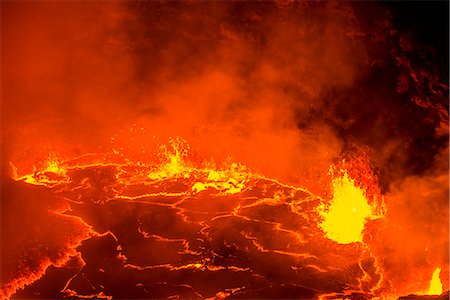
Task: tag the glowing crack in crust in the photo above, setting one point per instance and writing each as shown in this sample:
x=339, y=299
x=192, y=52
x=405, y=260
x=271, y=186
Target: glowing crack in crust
x=228, y=224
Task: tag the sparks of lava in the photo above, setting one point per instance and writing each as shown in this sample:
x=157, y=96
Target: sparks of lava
x=345, y=217
x=174, y=164
x=172, y=160
x=50, y=174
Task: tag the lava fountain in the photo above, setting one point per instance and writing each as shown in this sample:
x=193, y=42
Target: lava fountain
x=224, y=150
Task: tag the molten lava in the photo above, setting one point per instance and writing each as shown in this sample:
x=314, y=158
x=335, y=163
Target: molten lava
x=177, y=176
x=435, y=284
x=316, y=168
x=173, y=161
x=347, y=213
x=270, y=220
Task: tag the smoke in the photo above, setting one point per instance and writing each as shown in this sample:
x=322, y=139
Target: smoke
x=230, y=78
x=412, y=240
x=287, y=88
x=414, y=167
x=303, y=81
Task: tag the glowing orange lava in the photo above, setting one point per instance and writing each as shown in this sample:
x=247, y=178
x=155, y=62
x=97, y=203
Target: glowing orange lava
x=224, y=150
x=344, y=218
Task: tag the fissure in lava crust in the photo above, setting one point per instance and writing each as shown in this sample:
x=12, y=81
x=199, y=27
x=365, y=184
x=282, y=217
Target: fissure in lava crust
x=224, y=150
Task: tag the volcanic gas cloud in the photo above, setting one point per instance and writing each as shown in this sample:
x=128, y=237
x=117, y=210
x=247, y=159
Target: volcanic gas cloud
x=212, y=150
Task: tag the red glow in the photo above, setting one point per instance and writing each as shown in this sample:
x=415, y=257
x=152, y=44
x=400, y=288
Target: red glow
x=221, y=150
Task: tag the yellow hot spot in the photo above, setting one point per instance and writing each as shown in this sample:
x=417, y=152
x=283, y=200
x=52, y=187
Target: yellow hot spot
x=174, y=162
x=31, y=180
x=53, y=166
x=199, y=187
x=214, y=176
x=173, y=167
x=344, y=220
x=42, y=175
x=231, y=181
x=228, y=187
x=435, y=284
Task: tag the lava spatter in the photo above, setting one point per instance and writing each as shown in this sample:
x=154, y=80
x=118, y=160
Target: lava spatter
x=345, y=217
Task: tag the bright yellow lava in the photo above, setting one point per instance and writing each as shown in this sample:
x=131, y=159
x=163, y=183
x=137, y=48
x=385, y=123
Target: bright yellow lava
x=230, y=181
x=435, y=284
x=174, y=162
x=344, y=220
x=53, y=166
x=40, y=177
